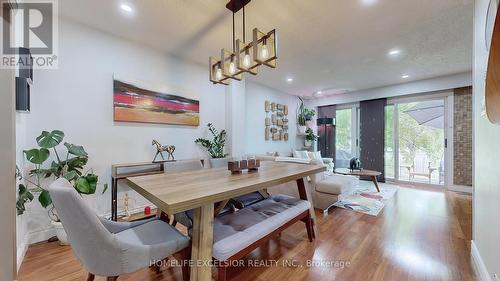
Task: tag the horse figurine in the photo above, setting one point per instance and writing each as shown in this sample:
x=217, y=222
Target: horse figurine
x=164, y=148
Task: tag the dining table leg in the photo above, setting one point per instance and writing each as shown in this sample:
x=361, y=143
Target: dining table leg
x=304, y=195
x=202, y=242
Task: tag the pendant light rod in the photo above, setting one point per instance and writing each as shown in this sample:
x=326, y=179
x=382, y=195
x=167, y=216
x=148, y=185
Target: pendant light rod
x=244, y=35
x=234, y=37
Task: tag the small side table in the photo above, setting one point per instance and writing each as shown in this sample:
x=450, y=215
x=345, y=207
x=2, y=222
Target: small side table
x=361, y=173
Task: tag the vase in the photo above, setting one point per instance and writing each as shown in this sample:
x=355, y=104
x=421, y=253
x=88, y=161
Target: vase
x=307, y=143
x=302, y=130
x=218, y=162
x=60, y=233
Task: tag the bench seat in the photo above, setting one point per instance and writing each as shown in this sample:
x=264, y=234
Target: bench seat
x=234, y=232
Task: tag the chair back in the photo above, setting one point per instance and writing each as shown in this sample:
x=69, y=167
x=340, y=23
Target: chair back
x=183, y=166
x=96, y=248
x=421, y=163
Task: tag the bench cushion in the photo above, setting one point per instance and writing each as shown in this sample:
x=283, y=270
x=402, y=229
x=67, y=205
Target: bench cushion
x=186, y=218
x=235, y=231
x=337, y=184
x=246, y=200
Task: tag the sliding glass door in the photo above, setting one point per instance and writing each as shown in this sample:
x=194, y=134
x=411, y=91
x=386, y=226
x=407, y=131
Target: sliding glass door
x=415, y=141
x=346, y=139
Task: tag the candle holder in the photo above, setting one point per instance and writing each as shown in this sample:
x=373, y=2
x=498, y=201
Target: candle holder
x=237, y=167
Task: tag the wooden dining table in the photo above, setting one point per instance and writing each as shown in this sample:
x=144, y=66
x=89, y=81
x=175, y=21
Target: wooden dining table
x=205, y=189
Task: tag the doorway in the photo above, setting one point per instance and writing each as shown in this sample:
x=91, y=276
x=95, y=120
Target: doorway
x=416, y=140
x=347, y=135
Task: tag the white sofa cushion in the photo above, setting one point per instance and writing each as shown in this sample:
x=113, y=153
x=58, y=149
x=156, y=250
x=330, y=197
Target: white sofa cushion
x=315, y=155
x=293, y=160
x=337, y=184
x=236, y=231
x=301, y=154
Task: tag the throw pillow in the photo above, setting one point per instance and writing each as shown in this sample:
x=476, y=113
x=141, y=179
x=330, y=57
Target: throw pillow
x=315, y=155
x=301, y=154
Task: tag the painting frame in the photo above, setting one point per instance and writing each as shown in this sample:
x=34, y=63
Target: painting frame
x=135, y=103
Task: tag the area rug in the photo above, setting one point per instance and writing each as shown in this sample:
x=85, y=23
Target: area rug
x=365, y=198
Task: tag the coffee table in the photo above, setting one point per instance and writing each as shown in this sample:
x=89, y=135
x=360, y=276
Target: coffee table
x=361, y=173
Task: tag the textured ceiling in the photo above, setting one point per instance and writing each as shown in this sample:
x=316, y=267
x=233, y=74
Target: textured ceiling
x=328, y=45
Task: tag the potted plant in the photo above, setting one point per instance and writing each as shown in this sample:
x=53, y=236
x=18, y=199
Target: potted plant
x=308, y=115
x=70, y=167
x=301, y=117
x=310, y=138
x=215, y=147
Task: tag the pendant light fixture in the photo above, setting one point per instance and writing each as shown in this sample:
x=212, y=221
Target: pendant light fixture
x=245, y=57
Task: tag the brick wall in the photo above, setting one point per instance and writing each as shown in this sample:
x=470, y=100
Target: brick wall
x=462, y=135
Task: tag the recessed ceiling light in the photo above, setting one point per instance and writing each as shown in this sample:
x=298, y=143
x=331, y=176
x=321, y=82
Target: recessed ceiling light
x=289, y=80
x=368, y=2
x=126, y=8
x=405, y=76
x=319, y=93
x=394, y=52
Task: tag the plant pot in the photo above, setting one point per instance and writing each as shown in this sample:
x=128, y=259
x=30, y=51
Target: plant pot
x=308, y=143
x=60, y=233
x=309, y=123
x=218, y=162
x=302, y=130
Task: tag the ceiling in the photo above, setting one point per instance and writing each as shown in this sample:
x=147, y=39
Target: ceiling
x=331, y=46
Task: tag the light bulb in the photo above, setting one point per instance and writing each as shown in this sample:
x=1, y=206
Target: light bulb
x=218, y=74
x=232, y=68
x=264, y=52
x=246, y=61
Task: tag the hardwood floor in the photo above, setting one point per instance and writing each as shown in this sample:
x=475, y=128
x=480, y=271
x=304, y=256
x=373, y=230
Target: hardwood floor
x=420, y=235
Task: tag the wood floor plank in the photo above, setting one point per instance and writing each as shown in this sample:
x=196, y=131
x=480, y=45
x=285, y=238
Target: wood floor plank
x=422, y=234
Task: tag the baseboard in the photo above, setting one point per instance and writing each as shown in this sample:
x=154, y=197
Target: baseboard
x=21, y=252
x=461, y=188
x=479, y=265
x=42, y=235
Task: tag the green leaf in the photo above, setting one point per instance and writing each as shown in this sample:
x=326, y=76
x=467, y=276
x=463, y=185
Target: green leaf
x=56, y=168
x=50, y=140
x=42, y=172
x=24, y=197
x=76, y=164
x=71, y=175
x=86, y=184
x=37, y=156
x=45, y=199
x=77, y=150
x=82, y=185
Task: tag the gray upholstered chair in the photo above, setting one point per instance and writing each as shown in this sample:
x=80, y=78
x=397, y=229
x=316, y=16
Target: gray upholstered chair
x=110, y=249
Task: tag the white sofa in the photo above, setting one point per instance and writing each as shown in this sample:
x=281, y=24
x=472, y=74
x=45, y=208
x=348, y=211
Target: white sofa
x=324, y=188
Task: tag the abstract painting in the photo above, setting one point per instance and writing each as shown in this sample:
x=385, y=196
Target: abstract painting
x=134, y=104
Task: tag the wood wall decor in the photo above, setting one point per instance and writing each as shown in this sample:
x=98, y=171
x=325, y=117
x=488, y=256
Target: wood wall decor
x=492, y=98
x=276, y=121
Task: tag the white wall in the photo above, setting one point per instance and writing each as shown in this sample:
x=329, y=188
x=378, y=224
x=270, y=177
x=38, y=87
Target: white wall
x=77, y=98
x=256, y=95
x=486, y=225
x=235, y=118
x=411, y=88
x=7, y=180
x=21, y=222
